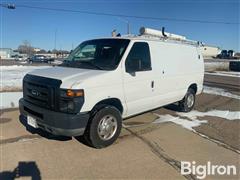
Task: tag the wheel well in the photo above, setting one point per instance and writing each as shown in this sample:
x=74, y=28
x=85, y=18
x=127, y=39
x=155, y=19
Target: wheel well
x=111, y=101
x=193, y=87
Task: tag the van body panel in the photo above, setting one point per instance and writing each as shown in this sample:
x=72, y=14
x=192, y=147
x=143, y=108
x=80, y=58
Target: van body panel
x=174, y=68
x=68, y=76
x=138, y=93
x=106, y=86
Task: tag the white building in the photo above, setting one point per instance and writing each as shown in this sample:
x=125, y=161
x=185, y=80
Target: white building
x=6, y=53
x=210, y=51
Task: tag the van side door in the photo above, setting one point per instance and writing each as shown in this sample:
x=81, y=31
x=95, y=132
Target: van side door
x=138, y=80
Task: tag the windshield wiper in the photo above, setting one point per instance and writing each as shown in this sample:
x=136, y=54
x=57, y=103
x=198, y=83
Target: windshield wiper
x=65, y=63
x=74, y=63
x=91, y=64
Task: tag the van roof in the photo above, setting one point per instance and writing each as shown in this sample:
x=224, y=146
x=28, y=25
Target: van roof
x=152, y=38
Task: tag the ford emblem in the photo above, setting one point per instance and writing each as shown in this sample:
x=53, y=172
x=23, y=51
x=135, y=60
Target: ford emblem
x=35, y=92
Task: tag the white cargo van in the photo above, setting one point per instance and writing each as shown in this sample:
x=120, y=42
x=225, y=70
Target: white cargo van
x=106, y=80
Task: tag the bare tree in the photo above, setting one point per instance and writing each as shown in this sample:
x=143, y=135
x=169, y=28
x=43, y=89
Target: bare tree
x=42, y=51
x=26, y=48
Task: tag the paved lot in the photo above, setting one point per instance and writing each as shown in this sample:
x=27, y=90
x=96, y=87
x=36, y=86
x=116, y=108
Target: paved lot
x=144, y=149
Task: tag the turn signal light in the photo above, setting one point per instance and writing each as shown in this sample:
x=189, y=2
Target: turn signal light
x=74, y=93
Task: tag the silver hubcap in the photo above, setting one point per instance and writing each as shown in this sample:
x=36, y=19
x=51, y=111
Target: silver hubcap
x=190, y=100
x=107, y=127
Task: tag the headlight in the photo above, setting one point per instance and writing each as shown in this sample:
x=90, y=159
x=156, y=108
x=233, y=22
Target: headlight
x=71, y=101
x=66, y=106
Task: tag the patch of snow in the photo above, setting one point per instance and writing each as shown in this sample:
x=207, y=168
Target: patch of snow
x=220, y=92
x=180, y=121
x=23, y=62
x=57, y=62
x=9, y=99
x=229, y=115
x=224, y=73
x=183, y=118
x=11, y=76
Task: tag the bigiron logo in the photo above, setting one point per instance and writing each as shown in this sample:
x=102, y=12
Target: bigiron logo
x=201, y=171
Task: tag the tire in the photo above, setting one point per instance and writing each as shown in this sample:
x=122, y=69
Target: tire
x=104, y=127
x=188, y=102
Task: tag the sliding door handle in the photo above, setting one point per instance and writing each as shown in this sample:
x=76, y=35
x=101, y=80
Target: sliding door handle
x=152, y=84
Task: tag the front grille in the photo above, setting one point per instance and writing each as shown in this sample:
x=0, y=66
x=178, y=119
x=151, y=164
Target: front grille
x=41, y=91
x=37, y=94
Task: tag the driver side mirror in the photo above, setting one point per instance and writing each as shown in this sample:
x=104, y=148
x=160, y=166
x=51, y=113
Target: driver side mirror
x=133, y=65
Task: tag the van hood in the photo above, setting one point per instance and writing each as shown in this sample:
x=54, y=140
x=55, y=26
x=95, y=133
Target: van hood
x=67, y=75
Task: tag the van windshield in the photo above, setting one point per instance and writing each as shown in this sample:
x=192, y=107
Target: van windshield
x=100, y=54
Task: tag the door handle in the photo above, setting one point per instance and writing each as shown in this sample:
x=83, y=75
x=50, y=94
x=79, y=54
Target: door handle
x=152, y=84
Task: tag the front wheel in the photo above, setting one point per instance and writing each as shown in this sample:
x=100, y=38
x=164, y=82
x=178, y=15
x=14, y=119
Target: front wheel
x=187, y=103
x=104, y=127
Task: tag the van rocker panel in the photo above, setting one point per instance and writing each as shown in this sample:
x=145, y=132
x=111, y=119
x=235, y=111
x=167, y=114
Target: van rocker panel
x=55, y=122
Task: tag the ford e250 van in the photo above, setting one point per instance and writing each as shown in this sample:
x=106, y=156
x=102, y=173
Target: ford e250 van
x=106, y=80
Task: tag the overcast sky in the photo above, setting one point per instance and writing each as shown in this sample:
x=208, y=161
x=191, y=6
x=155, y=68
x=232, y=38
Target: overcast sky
x=39, y=26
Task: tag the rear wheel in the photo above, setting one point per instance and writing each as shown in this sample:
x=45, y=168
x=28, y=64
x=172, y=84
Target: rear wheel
x=104, y=127
x=187, y=103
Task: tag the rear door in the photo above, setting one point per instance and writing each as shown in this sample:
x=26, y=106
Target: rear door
x=138, y=79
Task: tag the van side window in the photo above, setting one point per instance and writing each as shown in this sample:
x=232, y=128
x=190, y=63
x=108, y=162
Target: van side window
x=138, y=58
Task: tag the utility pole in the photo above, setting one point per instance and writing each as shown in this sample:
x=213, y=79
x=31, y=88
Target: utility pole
x=127, y=22
x=55, y=39
x=55, y=42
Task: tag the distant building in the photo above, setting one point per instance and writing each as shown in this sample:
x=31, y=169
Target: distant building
x=210, y=51
x=237, y=55
x=6, y=53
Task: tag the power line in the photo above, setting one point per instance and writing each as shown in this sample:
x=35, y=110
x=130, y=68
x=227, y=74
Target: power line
x=131, y=16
